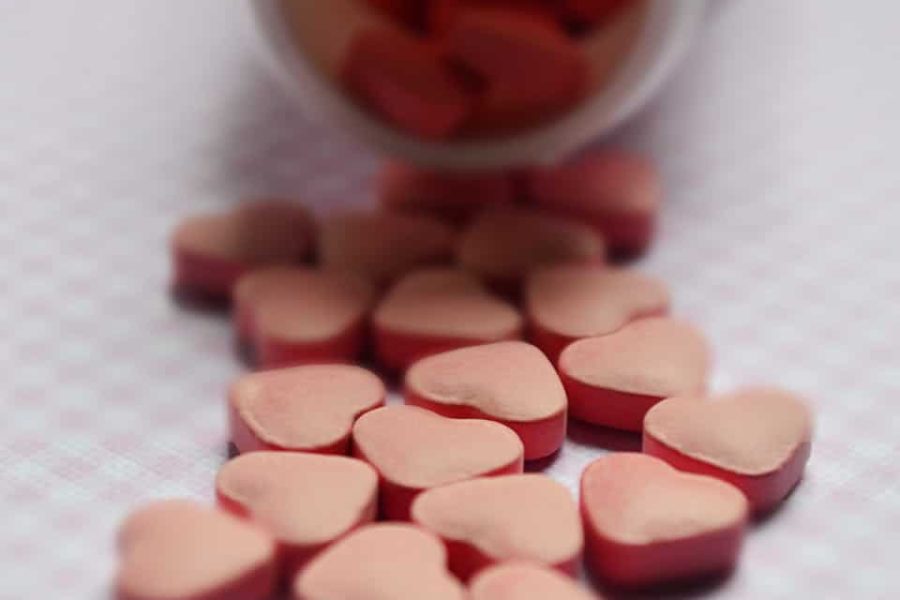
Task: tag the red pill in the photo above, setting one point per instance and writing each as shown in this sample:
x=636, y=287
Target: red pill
x=503, y=245
x=383, y=246
x=414, y=449
x=520, y=580
x=404, y=80
x=451, y=196
x=568, y=302
x=509, y=382
x=490, y=520
x=757, y=439
x=319, y=318
x=305, y=501
x=181, y=550
x=613, y=380
x=385, y=561
x=590, y=13
x=408, y=13
x=310, y=408
x=259, y=284
x=647, y=524
x=434, y=310
x=210, y=252
x=616, y=192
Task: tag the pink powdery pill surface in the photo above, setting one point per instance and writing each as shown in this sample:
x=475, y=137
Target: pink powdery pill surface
x=489, y=520
x=387, y=561
x=414, y=449
x=210, y=252
x=503, y=245
x=437, y=309
x=520, y=580
x=260, y=284
x=647, y=524
x=310, y=408
x=568, y=302
x=757, y=439
x=509, y=382
x=181, y=550
x=383, y=246
x=616, y=192
x=318, y=317
x=306, y=501
x=450, y=196
x=613, y=380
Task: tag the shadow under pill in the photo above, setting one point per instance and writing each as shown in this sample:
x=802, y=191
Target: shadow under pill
x=605, y=438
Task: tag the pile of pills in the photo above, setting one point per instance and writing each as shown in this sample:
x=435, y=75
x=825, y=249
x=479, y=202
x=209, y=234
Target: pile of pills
x=488, y=296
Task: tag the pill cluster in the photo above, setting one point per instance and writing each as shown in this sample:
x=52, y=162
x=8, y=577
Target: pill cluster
x=335, y=495
x=442, y=68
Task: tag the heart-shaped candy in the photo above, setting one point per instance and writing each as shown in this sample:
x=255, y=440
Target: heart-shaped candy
x=758, y=439
x=181, y=550
x=493, y=519
x=414, y=449
x=614, y=379
x=309, y=408
x=433, y=310
x=310, y=316
x=388, y=561
x=210, y=252
x=306, y=501
x=509, y=382
x=525, y=581
x=646, y=523
x=565, y=303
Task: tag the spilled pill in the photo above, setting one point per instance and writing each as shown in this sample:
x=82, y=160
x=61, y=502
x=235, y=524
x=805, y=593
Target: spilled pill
x=414, y=449
x=310, y=408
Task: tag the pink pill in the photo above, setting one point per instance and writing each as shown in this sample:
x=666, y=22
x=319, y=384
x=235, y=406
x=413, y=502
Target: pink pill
x=414, y=450
x=309, y=408
x=317, y=317
x=386, y=561
x=509, y=382
x=383, y=246
x=210, y=252
x=525, y=581
x=618, y=193
x=503, y=245
x=181, y=550
x=570, y=302
x=451, y=196
x=495, y=519
x=305, y=501
x=433, y=310
x=613, y=380
x=757, y=439
x=647, y=524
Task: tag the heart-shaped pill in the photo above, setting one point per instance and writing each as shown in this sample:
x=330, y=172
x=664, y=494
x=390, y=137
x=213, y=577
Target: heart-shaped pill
x=181, y=550
x=451, y=196
x=210, y=252
x=388, y=561
x=616, y=192
x=309, y=316
x=509, y=382
x=502, y=245
x=757, y=439
x=613, y=380
x=494, y=519
x=525, y=581
x=382, y=246
x=414, y=449
x=565, y=303
x=306, y=501
x=646, y=523
x=309, y=408
x=433, y=310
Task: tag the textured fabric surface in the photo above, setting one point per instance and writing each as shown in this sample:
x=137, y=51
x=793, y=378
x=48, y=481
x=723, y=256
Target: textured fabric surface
x=778, y=141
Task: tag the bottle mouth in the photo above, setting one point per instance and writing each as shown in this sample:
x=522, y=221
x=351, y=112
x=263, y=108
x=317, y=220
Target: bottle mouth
x=630, y=59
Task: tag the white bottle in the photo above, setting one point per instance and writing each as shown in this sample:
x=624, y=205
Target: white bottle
x=659, y=34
